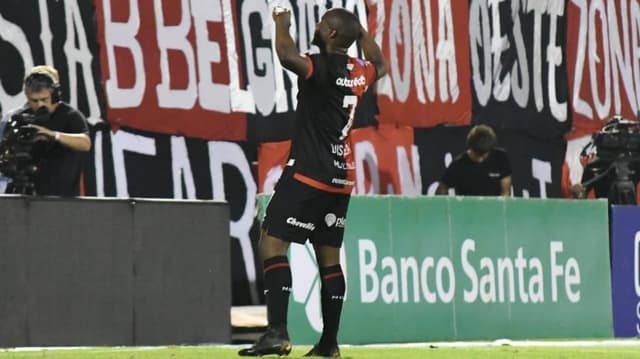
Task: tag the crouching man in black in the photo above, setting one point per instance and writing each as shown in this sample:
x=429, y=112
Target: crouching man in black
x=482, y=170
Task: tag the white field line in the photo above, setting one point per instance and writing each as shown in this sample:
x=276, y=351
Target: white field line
x=473, y=344
x=517, y=343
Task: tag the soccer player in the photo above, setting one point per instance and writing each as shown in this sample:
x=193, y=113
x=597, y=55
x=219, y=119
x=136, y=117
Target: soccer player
x=312, y=195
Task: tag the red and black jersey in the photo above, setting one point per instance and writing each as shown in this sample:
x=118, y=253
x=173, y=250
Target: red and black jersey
x=321, y=153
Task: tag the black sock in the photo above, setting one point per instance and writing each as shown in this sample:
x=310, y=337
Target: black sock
x=332, y=297
x=277, y=286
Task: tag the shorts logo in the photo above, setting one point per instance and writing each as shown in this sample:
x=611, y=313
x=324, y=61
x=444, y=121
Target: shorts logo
x=294, y=222
x=330, y=219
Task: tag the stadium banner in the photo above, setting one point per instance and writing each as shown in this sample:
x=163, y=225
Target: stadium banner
x=455, y=268
x=536, y=164
x=206, y=69
x=386, y=159
x=172, y=67
x=518, y=70
x=210, y=71
x=437, y=147
x=131, y=163
x=427, y=47
x=58, y=33
x=604, y=77
x=625, y=267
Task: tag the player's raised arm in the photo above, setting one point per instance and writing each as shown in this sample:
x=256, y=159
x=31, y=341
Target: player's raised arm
x=372, y=52
x=286, y=48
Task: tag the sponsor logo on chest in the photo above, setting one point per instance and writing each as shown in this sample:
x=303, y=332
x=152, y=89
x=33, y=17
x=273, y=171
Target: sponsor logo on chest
x=347, y=82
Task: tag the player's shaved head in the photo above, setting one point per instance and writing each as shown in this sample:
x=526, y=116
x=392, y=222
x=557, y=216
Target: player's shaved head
x=346, y=25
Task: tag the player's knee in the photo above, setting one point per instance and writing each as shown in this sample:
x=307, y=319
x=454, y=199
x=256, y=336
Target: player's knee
x=327, y=256
x=271, y=246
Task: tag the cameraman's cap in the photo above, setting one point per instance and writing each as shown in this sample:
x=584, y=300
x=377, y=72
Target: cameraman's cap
x=48, y=71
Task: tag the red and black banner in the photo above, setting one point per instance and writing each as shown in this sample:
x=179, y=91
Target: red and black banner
x=427, y=48
x=603, y=70
x=58, y=33
x=437, y=147
x=172, y=67
x=518, y=66
x=209, y=70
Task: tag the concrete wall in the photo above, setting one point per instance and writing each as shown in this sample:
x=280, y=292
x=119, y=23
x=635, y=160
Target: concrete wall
x=113, y=272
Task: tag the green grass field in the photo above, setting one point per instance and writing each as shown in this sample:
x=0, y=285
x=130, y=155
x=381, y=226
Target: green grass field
x=213, y=352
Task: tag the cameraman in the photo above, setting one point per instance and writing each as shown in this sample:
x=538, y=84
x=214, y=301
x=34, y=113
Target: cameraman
x=600, y=179
x=61, y=135
x=614, y=171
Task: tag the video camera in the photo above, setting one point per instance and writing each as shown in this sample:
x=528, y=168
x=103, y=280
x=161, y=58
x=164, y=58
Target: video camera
x=617, y=160
x=619, y=138
x=17, y=158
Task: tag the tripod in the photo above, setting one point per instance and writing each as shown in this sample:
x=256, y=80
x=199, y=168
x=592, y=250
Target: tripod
x=622, y=189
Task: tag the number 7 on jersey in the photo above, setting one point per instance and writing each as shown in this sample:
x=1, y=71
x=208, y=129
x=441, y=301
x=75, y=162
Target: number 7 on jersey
x=350, y=102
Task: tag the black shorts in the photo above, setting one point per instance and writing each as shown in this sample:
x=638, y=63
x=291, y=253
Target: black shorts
x=297, y=212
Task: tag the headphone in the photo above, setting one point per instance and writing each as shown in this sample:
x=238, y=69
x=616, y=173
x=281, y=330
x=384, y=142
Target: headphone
x=48, y=75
